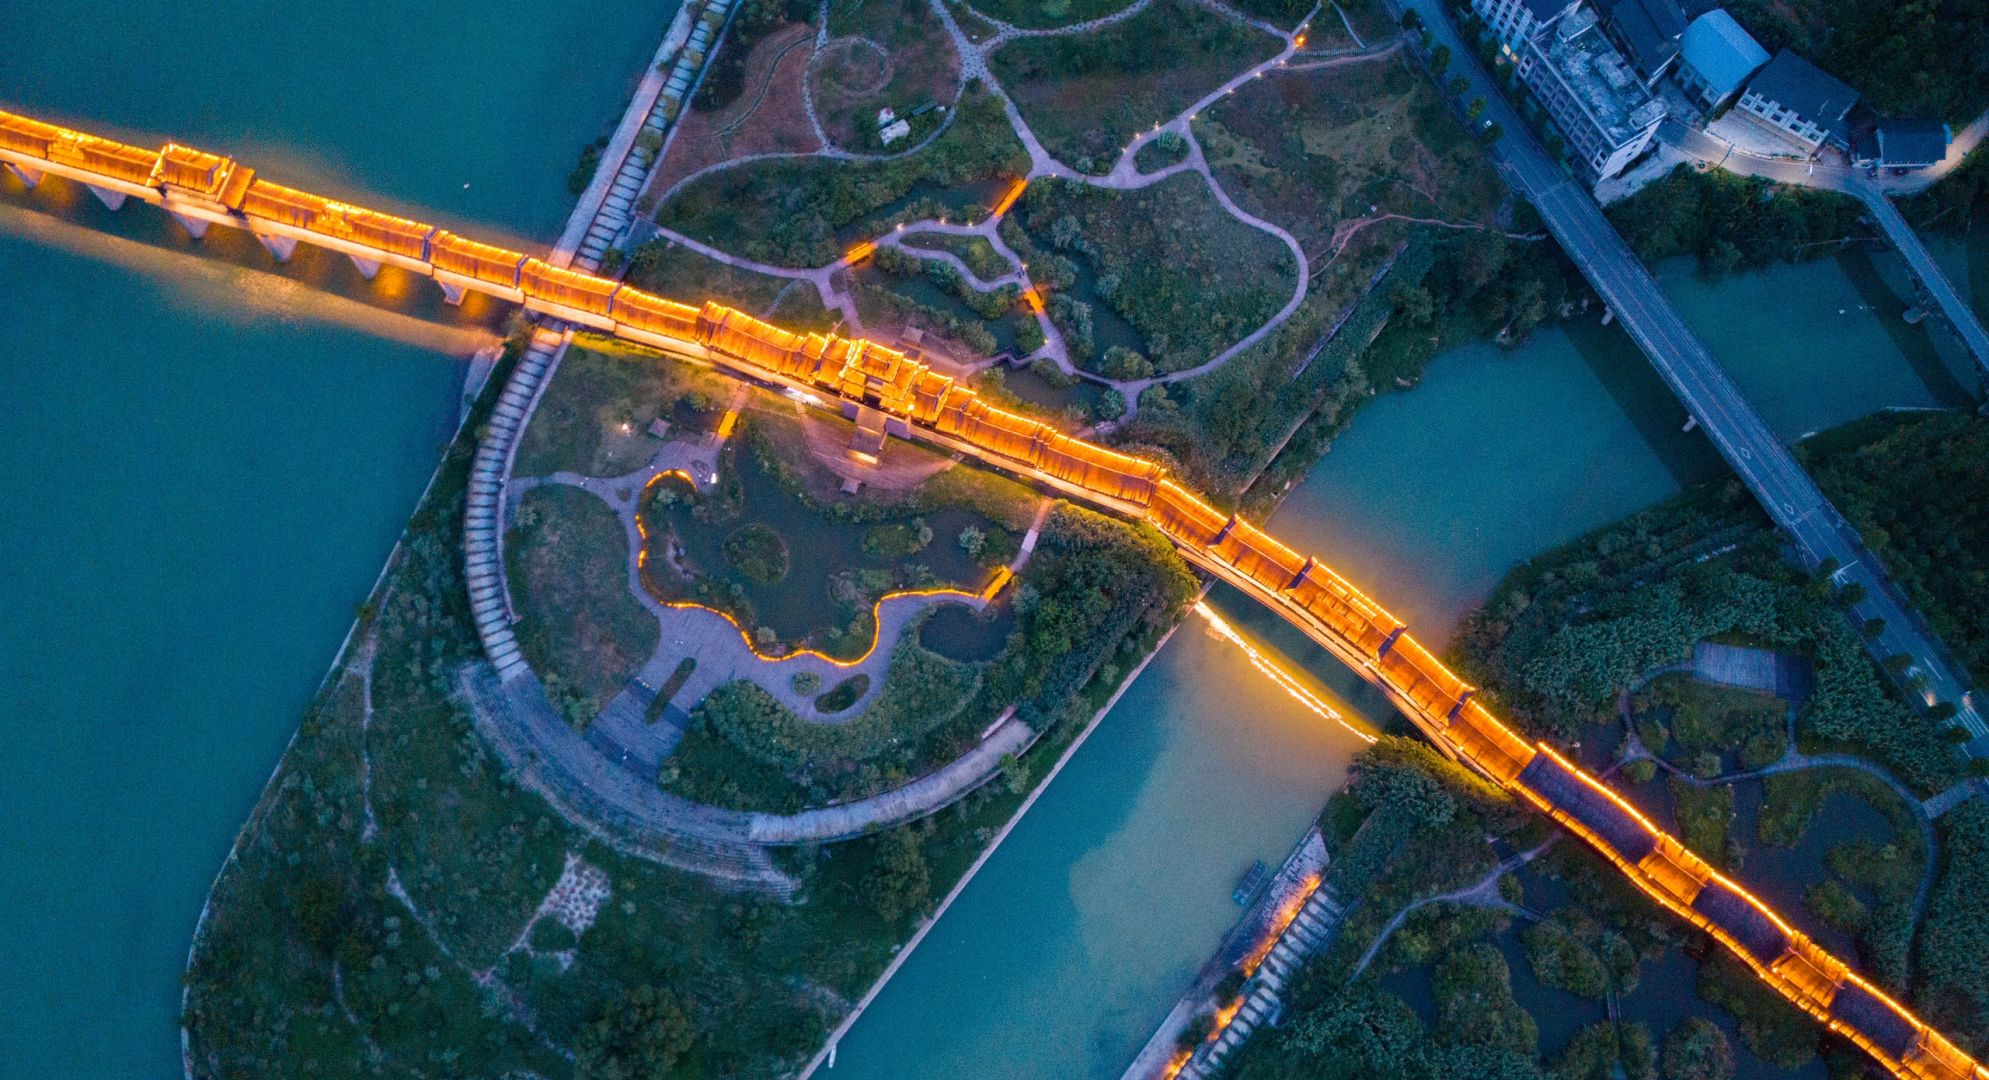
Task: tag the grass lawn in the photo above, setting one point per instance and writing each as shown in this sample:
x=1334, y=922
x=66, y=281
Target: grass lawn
x=805, y=213
x=594, y=419
x=1705, y=815
x=1086, y=95
x=1188, y=279
x=1045, y=14
x=670, y=269
x=578, y=624
x=1311, y=149
x=883, y=53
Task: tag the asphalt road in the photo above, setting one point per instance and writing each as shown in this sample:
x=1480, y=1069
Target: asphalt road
x=1768, y=468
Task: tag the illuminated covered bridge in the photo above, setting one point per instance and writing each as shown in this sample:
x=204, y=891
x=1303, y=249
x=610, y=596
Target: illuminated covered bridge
x=915, y=401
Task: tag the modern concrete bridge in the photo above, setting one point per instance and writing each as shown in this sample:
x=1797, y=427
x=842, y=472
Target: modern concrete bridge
x=1821, y=535
x=1933, y=281
x=863, y=378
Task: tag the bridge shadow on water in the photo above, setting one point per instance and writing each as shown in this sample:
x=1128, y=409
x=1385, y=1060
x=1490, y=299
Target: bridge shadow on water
x=1646, y=402
x=233, y=275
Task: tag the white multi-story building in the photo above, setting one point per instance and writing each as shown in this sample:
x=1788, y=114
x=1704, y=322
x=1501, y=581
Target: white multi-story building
x=1514, y=22
x=1594, y=96
x=1800, y=100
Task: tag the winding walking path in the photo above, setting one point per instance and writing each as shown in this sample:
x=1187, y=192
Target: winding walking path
x=1123, y=176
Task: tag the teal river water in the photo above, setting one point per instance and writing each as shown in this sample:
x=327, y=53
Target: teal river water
x=205, y=464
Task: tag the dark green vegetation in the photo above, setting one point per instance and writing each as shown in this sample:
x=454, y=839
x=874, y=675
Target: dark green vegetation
x=899, y=289
x=1733, y=222
x=1955, y=936
x=1340, y=157
x=979, y=255
x=1086, y=95
x=1092, y=582
x=594, y=419
x=805, y=212
x=746, y=750
x=1162, y=272
x=1045, y=389
x=669, y=269
x=590, y=162
x=775, y=548
x=1708, y=729
x=578, y=624
x=1223, y=430
x=1906, y=59
x=1561, y=635
x=311, y=963
x=757, y=552
x=1327, y=33
x=1161, y=151
x=1044, y=14
x=1913, y=485
x=853, y=80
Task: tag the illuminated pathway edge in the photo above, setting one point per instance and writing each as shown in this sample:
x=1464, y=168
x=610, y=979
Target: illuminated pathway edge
x=881, y=386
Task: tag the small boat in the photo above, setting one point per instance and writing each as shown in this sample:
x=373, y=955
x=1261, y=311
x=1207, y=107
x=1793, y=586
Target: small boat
x=1252, y=878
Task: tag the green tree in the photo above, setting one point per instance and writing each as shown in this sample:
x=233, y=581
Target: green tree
x=1697, y=1050
x=899, y=882
x=641, y=1036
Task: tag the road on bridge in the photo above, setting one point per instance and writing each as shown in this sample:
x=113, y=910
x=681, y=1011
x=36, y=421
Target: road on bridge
x=1769, y=469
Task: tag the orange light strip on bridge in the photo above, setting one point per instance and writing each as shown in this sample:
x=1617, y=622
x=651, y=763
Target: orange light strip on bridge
x=1008, y=197
x=937, y=408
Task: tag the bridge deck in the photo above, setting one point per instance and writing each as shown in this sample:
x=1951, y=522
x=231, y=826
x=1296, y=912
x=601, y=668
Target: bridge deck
x=1929, y=274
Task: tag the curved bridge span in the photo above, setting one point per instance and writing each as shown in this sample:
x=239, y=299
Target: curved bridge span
x=916, y=402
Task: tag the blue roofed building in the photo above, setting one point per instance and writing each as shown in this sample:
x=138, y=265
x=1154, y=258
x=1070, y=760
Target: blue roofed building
x=1715, y=58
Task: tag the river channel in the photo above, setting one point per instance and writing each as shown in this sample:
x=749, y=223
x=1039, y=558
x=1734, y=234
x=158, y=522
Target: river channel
x=204, y=465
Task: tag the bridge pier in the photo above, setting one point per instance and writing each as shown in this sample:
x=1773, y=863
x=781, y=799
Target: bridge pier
x=280, y=246
x=195, y=227
x=367, y=267
x=452, y=293
x=112, y=199
x=30, y=177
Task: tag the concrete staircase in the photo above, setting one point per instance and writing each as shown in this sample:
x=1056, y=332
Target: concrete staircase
x=483, y=515
x=1317, y=921
x=617, y=211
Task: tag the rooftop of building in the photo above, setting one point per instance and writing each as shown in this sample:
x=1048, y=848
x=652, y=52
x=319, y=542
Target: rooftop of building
x=1609, y=91
x=1721, y=51
x=1912, y=143
x=1798, y=85
x=1649, y=30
